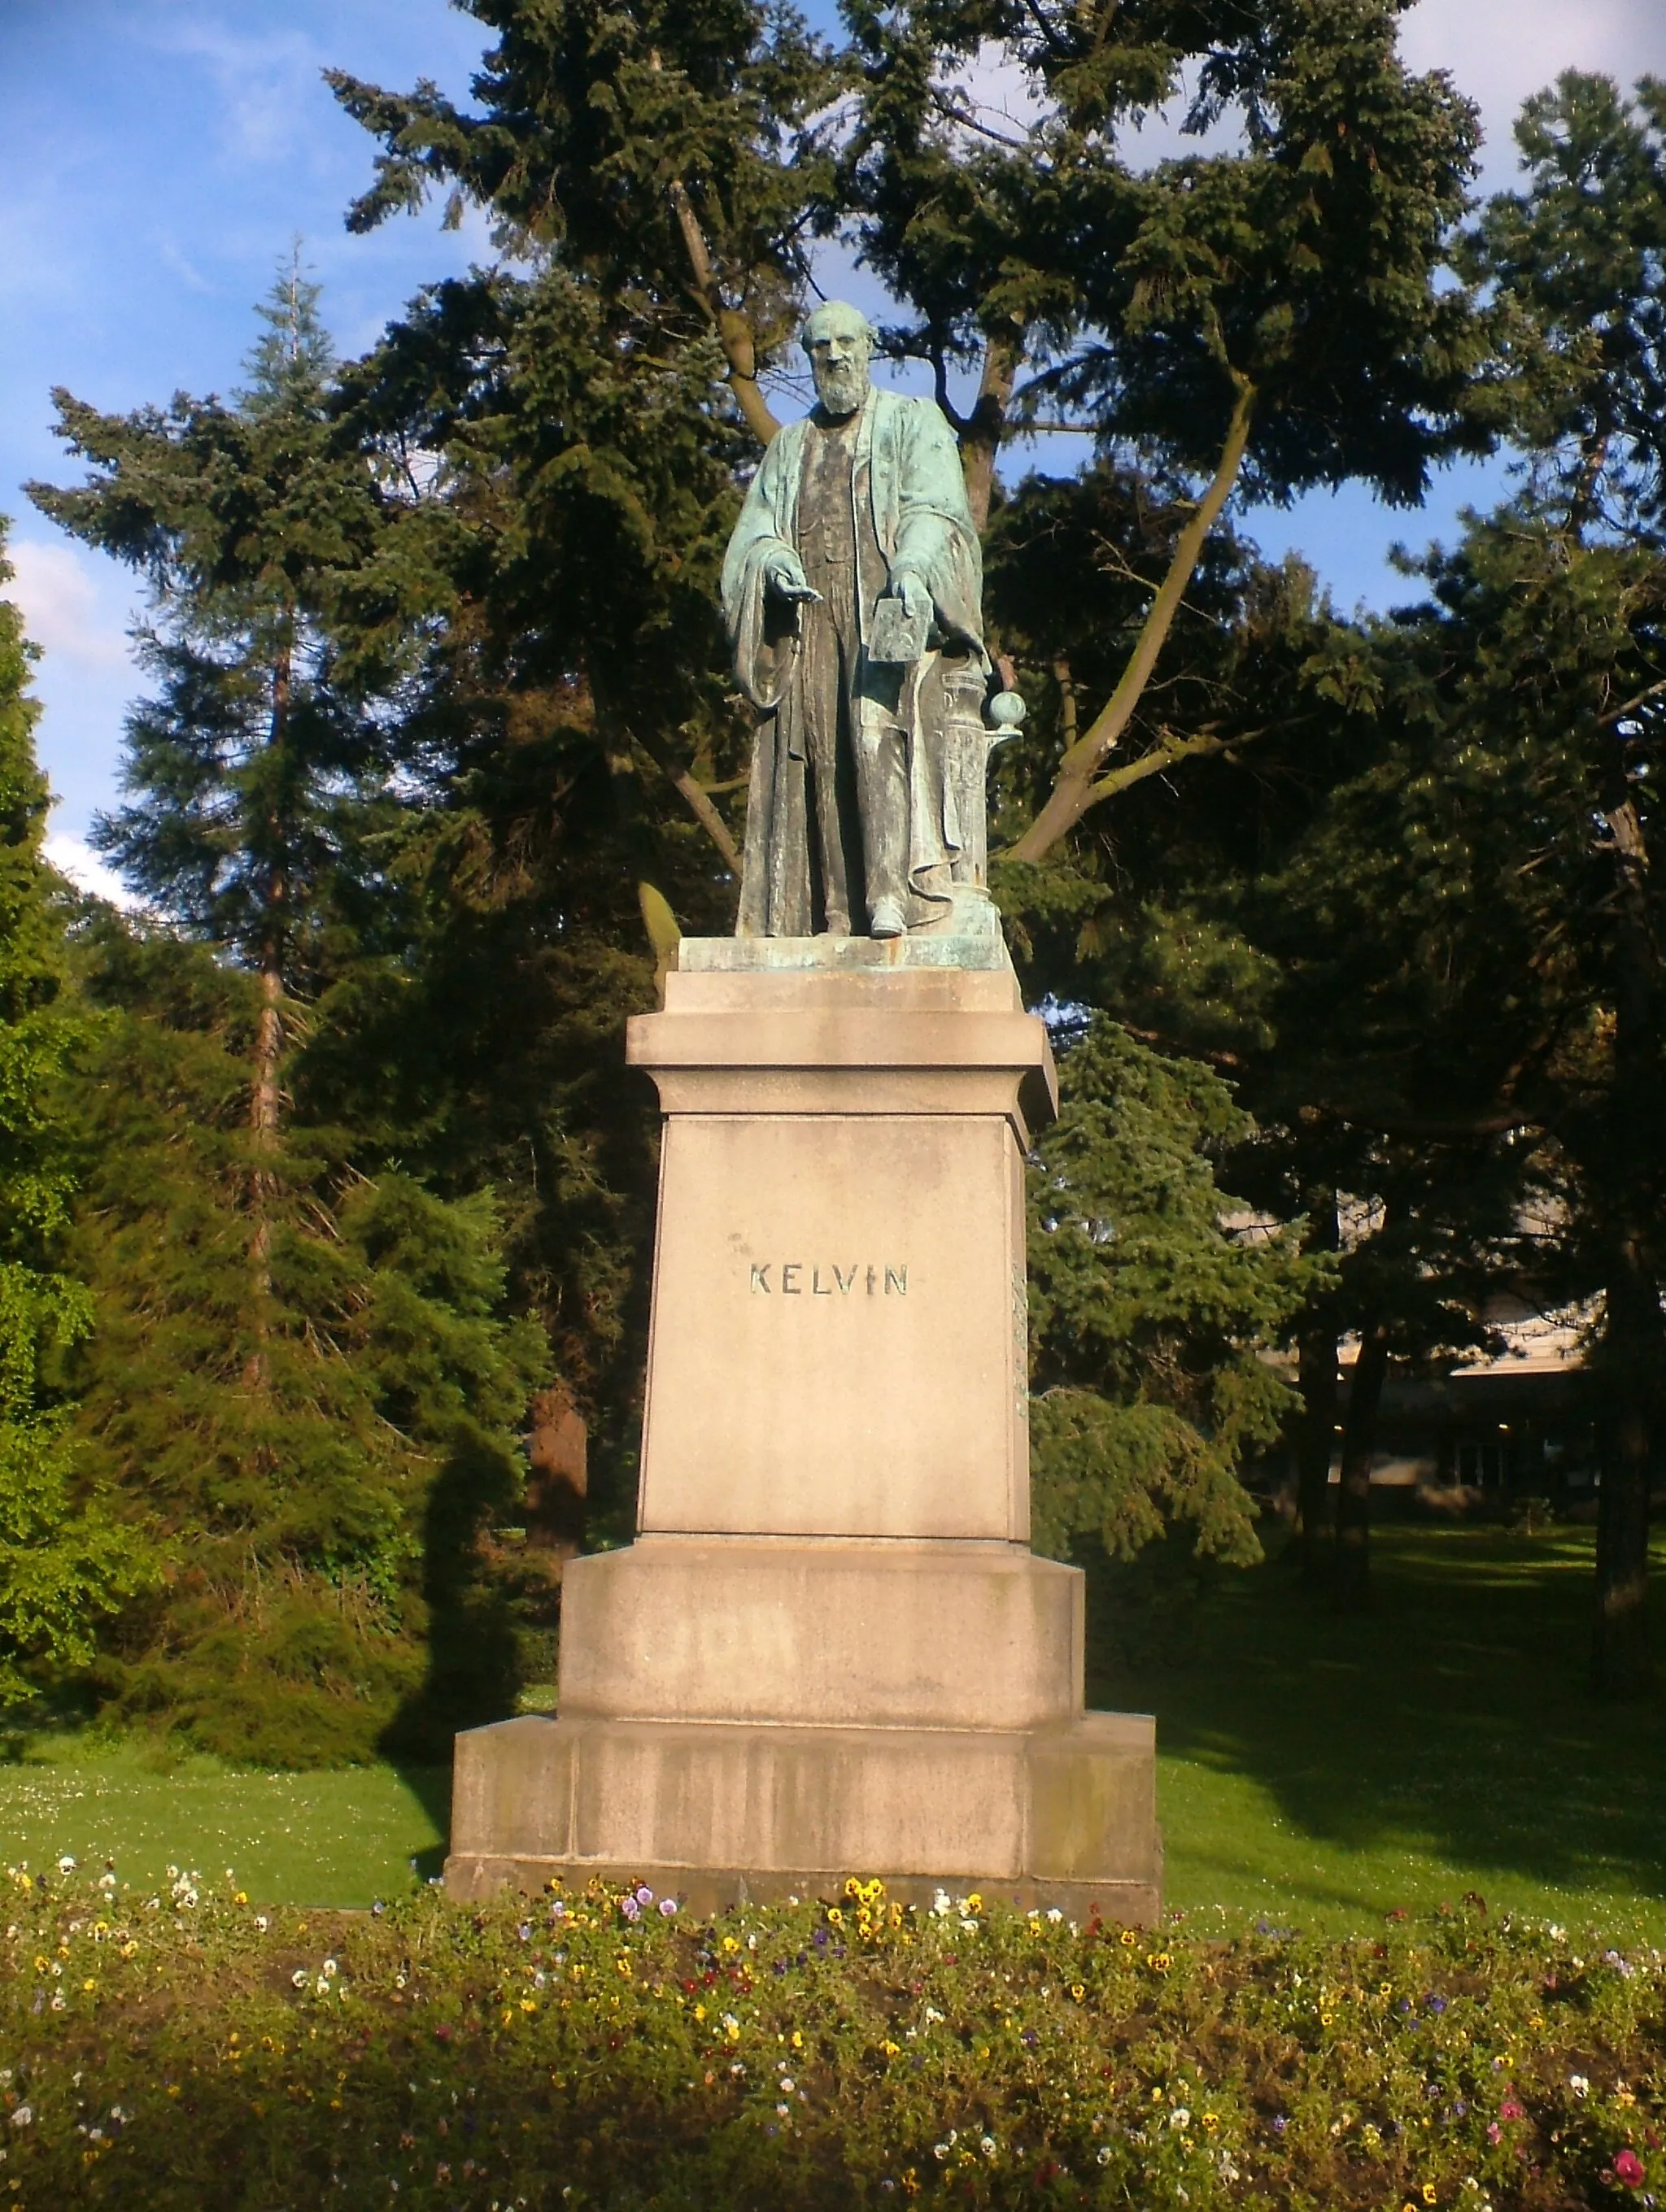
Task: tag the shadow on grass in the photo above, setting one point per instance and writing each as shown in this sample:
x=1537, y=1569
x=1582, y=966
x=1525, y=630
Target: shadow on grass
x=431, y=1787
x=1452, y=1720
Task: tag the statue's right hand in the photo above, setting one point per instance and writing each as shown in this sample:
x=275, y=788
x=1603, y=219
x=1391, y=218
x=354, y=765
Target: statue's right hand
x=785, y=577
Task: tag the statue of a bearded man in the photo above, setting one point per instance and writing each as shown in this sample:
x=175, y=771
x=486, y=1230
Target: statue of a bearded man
x=852, y=591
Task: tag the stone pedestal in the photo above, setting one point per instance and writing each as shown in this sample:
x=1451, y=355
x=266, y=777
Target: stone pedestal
x=829, y=1650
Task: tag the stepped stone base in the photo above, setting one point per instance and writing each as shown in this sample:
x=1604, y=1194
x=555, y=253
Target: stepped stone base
x=1060, y=1814
x=843, y=1633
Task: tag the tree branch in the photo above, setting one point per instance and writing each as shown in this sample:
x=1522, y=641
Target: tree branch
x=1079, y=786
x=696, y=798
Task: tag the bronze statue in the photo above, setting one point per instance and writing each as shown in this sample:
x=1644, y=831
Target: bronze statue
x=852, y=591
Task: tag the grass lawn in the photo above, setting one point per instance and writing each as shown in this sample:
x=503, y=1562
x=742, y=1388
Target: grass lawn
x=309, y=1839
x=1315, y=1771
x=1323, y=1771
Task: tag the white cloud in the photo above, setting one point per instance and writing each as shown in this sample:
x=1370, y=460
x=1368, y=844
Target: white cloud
x=84, y=869
x=1499, y=52
x=72, y=611
x=266, y=83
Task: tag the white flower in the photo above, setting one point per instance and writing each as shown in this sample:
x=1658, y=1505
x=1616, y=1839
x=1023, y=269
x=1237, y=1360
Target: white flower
x=22, y=2115
x=261, y=1922
x=1558, y=1934
x=940, y=2151
x=970, y=1927
x=1579, y=2085
x=330, y=1969
x=940, y=1904
x=787, y=2085
x=1180, y=2117
x=783, y=2110
x=1228, y=2171
x=299, y=1977
x=932, y=2013
x=106, y=1881
x=1054, y=1915
x=1104, y=2155
x=323, y=1987
x=66, y=1865
x=987, y=2145
x=57, y=2002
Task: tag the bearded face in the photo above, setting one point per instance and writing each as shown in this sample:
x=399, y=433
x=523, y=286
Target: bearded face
x=838, y=361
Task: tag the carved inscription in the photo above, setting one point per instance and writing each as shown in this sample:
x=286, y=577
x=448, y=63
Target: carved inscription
x=799, y=1279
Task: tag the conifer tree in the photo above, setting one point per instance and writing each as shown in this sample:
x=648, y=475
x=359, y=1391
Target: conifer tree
x=65, y=1563
x=1148, y=1311
x=303, y=1387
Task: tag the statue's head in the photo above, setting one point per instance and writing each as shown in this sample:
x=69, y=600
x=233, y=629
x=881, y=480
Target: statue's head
x=839, y=340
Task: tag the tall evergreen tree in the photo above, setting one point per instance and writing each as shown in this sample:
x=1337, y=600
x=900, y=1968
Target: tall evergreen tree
x=303, y=1386
x=65, y=1562
x=1149, y=1310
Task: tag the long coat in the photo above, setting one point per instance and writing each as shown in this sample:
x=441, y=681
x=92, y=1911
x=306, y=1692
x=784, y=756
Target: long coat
x=907, y=468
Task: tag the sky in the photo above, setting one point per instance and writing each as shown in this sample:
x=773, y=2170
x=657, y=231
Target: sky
x=158, y=158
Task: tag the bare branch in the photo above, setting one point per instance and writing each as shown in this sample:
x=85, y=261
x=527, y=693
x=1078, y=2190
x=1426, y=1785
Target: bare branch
x=1079, y=785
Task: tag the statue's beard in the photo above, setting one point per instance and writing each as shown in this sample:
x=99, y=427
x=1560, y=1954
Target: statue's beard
x=842, y=386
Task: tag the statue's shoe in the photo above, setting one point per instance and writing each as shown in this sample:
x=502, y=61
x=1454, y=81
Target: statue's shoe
x=887, y=919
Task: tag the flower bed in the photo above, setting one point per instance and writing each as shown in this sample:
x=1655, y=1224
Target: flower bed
x=600, y=2049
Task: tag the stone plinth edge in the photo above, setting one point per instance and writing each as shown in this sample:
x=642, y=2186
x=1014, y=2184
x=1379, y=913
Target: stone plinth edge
x=1069, y=1808
x=471, y=1878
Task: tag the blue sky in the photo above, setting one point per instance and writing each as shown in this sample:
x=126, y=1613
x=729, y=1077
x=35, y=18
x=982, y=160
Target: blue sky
x=158, y=156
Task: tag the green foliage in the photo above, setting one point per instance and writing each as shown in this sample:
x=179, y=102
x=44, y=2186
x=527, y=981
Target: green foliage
x=321, y=1512
x=1149, y=1312
x=590, y=2051
x=1578, y=260
x=64, y=1562
x=1300, y=260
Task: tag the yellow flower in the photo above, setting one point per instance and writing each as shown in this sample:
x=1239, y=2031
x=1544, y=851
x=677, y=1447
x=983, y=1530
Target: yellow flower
x=730, y=1943
x=834, y=1917
x=1078, y=1991
x=892, y=2049
x=1129, y=1938
x=1325, y=2019
x=1385, y=1988
x=1428, y=2192
x=1210, y=2121
x=529, y=2004
x=89, y=1984
x=975, y=1903
x=853, y=1888
x=700, y=2012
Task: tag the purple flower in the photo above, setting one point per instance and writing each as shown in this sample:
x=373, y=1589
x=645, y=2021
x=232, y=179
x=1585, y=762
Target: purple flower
x=525, y=1931
x=630, y=1909
x=1280, y=2125
x=645, y=1895
x=1031, y=2038
x=1434, y=2004
x=667, y=1906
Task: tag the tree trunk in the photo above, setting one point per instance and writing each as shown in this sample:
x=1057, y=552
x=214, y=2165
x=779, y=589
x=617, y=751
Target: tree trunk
x=1629, y=1370
x=265, y=1088
x=1621, y=1665
x=980, y=443
x=1350, y=1588
x=1317, y=1371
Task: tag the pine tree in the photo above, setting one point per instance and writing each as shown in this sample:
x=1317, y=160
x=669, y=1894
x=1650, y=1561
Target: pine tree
x=1149, y=1311
x=65, y=1563
x=302, y=1387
